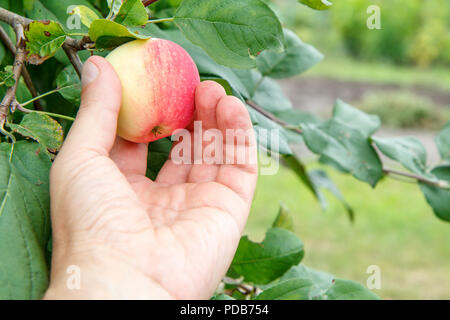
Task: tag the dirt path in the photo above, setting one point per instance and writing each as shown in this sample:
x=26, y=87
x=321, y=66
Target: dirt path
x=318, y=95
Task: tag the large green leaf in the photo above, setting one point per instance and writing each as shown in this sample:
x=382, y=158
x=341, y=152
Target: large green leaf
x=232, y=32
x=345, y=141
x=264, y=262
x=409, y=151
x=438, y=198
x=43, y=40
x=443, y=142
x=132, y=13
x=24, y=220
x=296, y=58
x=42, y=128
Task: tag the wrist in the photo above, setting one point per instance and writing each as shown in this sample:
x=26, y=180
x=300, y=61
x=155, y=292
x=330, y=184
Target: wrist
x=99, y=275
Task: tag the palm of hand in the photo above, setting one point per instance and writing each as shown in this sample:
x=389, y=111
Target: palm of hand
x=182, y=230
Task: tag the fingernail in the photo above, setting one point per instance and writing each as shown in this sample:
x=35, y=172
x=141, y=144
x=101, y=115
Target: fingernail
x=89, y=74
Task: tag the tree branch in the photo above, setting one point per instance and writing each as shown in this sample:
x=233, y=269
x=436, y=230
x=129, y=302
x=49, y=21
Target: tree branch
x=272, y=117
x=12, y=18
x=73, y=58
x=17, y=70
x=26, y=76
x=437, y=183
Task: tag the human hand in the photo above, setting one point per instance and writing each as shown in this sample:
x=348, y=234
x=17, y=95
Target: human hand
x=132, y=237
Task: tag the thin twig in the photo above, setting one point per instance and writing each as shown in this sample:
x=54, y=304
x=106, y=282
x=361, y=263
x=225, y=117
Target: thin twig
x=26, y=76
x=55, y=115
x=437, y=183
x=73, y=58
x=272, y=117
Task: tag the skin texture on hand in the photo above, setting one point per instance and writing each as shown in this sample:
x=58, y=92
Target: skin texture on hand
x=133, y=238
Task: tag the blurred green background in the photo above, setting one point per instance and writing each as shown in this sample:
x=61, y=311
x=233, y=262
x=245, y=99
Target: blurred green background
x=402, y=73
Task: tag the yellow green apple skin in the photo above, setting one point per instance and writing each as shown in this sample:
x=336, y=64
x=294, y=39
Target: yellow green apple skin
x=158, y=80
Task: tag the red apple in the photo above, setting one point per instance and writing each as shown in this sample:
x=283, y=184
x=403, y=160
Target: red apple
x=158, y=85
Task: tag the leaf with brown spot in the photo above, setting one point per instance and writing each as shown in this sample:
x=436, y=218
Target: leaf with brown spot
x=43, y=39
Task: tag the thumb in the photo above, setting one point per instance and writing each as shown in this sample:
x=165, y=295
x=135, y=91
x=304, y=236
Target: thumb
x=95, y=126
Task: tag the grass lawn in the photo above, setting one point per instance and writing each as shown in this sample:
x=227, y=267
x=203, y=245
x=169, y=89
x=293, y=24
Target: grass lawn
x=394, y=229
x=352, y=70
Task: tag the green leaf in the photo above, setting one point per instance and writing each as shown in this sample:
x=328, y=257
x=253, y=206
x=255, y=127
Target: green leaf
x=284, y=219
x=68, y=79
x=44, y=38
x=320, y=180
x=24, y=220
x=264, y=262
x=344, y=140
x=349, y=290
x=349, y=116
x=292, y=289
x=438, y=198
x=87, y=15
x=42, y=128
x=159, y=151
x=109, y=34
x=132, y=13
x=232, y=32
x=407, y=150
x=317, y=4
x=7, y=77
x=296, y=58
x=270, y=97
x=443, y=142
x=321, y=281
x=299, y=168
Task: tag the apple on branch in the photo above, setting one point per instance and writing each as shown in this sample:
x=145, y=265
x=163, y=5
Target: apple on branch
x=158, y=86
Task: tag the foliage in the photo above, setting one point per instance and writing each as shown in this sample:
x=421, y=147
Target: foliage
x=242, y=45
x=405, y=110
x=413, y=31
